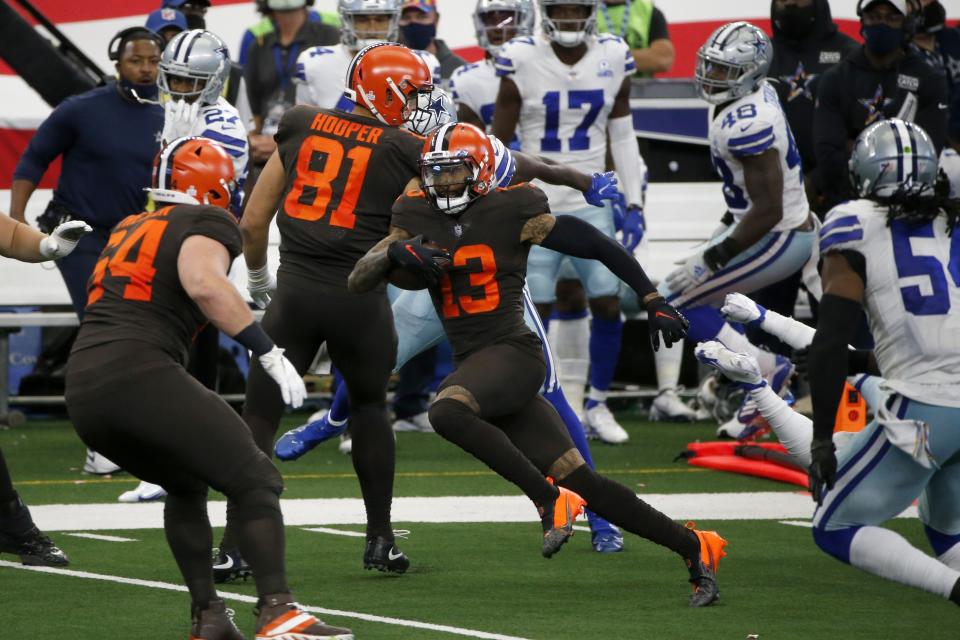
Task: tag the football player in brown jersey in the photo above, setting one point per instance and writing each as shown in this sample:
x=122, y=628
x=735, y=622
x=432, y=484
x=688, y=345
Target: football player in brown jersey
x=475, y=265
x=161, y=277
x=18, y=534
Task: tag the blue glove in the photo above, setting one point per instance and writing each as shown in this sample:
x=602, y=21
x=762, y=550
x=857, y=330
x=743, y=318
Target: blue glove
x=603, y=186
x=619, y=206
x=633, y=227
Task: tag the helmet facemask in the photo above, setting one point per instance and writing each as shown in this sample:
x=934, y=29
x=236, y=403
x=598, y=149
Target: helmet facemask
x=568, y=31
x=717, y=80
x=358, y=28
x=449, y=180
x=496, y=28
x=427, y=110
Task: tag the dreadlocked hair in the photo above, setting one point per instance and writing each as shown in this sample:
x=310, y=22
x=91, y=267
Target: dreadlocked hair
x=918, y=204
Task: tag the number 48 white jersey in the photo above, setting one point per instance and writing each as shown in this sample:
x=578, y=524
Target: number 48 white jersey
x=566, y=108
x=748, y=127
x=912, y=296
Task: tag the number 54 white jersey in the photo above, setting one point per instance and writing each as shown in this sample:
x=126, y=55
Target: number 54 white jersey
x=912, y=296
x=566, y=108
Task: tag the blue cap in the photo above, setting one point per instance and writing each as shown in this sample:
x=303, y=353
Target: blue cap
x=164, y=18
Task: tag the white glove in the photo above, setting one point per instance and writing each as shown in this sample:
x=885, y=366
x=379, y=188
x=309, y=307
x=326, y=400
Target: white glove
x=692, y=272
x=739, y=308
x=179, y=117
x=260, y=284
x=64, y=239
x=285, y=375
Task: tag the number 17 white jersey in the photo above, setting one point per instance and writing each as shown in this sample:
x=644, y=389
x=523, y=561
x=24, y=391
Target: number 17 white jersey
x=912, y=296
x=565, y=108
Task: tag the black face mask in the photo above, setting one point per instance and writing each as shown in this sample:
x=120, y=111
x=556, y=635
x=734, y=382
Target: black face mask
x=934, y=17
x=195, y=21
x=881, y=39
x=795, y=22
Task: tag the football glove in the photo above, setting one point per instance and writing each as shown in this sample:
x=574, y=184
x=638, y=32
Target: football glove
x=692, y=272
x=633, y=227
x=63, y=239
x=823, y=468
x=739, y=308
x=415, y=256
x=292, y=389
x=179, y=117
x=663, y=318
x=603, y=186
x=261, y=284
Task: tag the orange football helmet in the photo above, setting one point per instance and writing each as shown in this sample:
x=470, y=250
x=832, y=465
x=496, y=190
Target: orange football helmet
x=193, y=171
x=458, y=165
x=383, y=77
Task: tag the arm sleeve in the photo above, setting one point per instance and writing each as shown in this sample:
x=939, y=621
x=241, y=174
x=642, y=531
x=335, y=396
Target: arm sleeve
x=627, y=159
x=220, y=226
x=53, y=138
x=658, y=27
x=829, y=360
x=252, y=80
x=932, y=116
x=830, y=136
x=579, y=239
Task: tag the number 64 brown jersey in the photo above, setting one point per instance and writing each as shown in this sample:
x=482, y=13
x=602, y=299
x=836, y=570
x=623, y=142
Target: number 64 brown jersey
x=344, y=172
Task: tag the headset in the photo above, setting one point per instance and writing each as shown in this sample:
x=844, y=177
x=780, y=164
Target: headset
x=911, y=22
x=124, y=36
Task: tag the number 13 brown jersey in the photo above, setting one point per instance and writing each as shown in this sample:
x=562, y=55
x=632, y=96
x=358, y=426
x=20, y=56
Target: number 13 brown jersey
x=343, y=173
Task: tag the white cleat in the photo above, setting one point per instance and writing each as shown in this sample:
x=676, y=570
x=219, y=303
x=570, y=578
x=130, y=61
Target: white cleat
x=145, y=492
x=600, y=423
x=419, y=423
x=738, y=367
x=346, y=444
x=739, y=308
x=98, y=464
x=668, y=407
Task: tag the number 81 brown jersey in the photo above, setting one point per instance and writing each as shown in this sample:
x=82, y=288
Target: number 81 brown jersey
x=343, y=173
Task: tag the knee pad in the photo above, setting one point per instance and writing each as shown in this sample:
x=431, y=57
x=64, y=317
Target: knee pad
x=445, y=415
x=257, y=473
x=837, y=542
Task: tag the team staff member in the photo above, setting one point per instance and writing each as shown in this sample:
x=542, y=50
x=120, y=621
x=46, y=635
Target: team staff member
x=490, y=405
x=882, y=79
x=18, y=534
x=162, y=276
x=335, y=175
x=644, y=28
x=418, y=30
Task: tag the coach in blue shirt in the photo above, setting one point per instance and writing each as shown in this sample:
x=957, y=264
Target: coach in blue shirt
x=108, y=138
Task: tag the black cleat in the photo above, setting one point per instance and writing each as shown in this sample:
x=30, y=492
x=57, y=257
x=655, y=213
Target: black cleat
x=213, y=623
x=34, y=548
x=229, y=566
x=382, y=554
x=703, y=568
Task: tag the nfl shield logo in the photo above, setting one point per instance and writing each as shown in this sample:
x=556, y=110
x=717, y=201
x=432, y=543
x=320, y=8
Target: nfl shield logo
x=458, y=230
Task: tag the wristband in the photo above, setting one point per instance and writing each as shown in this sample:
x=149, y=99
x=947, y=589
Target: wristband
x=255, y=339
x=721, y=253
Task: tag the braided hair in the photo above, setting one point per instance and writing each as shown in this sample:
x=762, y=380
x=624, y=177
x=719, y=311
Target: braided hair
x=919, y=204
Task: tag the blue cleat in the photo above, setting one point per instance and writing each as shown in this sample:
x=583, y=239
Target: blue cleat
x=297, y=442
x=605, y=537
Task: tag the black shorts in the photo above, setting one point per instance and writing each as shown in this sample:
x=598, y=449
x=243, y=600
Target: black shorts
x=148, y=415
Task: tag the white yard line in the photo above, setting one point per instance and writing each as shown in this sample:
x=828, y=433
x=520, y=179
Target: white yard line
x=798, y=523
x=336, y=532
x=98, y=536
x=239, y=597
x=770, y=505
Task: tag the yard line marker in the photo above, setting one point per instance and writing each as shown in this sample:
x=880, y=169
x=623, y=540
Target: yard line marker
x=578, y=527
x=97, y=536
x=239, y=597
x=798, y=523
x=336, y=532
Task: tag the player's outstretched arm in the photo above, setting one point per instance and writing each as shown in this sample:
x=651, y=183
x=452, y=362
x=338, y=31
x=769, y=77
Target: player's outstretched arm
x=374, y=267
x=596, y=188
x=506, y=113
x=202, y=266
x=574, y=237
x=22, y=242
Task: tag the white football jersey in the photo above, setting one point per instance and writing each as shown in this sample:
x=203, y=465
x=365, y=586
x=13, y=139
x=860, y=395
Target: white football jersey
x=322, y=72
x=748, y=127
x=476, y=86
x=566, y=108
x=221, y=123
x=912, y=297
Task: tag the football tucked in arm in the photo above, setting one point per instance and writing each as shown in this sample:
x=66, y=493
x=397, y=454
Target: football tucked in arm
x=414, y=280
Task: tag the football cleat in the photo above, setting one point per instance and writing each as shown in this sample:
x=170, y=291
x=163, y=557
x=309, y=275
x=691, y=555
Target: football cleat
x=346, y=444
x=229, y=566
x=739, y=308
x=419, y=423
x=557, y=519
x=297, y=442
x=280, y=618
x=600, y=423
x=144, y=492
x=703, y=568
x=383, y=555
x=34, y=548
x=779, y=379
x=214, y=623
x=604, y=537
x=99, y=465
x=738, y=367
x=668, y=407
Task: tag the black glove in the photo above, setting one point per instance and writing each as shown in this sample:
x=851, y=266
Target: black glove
x=662, y=318
x=823, y=468
x=416, y=257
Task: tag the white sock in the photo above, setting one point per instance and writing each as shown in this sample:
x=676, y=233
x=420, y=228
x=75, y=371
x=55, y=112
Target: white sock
x=570, y=340
x=794, y=431
x=736, y=341
x=596, y=395
x=667, y=362
x=951, y=557
x=793, y=332
x=887, y=554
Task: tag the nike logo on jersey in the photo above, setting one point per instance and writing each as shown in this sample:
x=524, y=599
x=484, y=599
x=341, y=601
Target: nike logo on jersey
x=392, y=556
x=746, y=126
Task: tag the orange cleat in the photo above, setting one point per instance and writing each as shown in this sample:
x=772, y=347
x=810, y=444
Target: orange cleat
x=558, y=519
x=280, y=618
x=703, y=568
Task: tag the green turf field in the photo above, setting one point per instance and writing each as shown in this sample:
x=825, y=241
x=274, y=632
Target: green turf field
x=475, y=577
